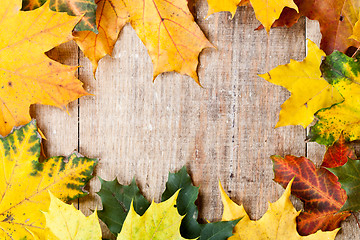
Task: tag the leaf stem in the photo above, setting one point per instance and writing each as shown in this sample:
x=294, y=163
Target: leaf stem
x=357, y=50
x=357, y=220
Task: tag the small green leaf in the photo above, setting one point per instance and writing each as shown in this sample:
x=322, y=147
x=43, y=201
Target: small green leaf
x=116, y=200
x=189, y=228
x=349, y=177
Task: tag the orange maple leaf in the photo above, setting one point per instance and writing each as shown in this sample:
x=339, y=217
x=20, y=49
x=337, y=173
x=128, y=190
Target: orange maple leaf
x=28, y=76
x=166, y=27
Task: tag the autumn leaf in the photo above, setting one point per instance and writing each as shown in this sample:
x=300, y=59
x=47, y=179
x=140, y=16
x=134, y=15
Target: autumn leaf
x=190, y=228
x=25, y=182
x=85, y=8
x=343, y=73
x=317, y=188
x=336, y=19
x=160, y=221
x=309, y=91
x=111, y=16
x=277, y=223
x=116, y=200
x=66, y=222
x=225, y=5
x=338, y=154
x=349, y=177
x=167, y=29
x=28, y=76
x=267, y=11
x=356, y=30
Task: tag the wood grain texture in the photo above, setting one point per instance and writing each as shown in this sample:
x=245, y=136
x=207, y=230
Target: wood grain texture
x=223, y=131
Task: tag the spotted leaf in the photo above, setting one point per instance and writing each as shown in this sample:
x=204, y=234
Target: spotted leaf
x=85, y=8
x=25, y=182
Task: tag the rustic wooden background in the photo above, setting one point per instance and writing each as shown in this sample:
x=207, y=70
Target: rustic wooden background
x=223, y=131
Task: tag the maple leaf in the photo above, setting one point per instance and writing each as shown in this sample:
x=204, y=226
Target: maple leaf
x=25, y=182
x=111, y=16
x=336, y=19
x=272, y=10
x=85, y=8
x=349, y=177
x=277, y=223
x=317, y=188
x=338, y=154
x=225, y=5
x=266, y=11
x=66, y=222
x=188, y=194
x=167, y=29
x=309, y=91
x=160, y=221
x=116, y=200
x=356, y=30
x=28, y=76
x=342, y=72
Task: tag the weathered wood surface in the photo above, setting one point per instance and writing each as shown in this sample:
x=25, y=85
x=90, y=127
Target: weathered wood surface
x=223, y=131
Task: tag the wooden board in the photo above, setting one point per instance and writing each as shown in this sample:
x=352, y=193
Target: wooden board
x=223, y=131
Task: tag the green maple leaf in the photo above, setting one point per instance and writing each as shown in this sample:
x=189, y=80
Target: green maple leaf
x=349, y=177
x=116, y=200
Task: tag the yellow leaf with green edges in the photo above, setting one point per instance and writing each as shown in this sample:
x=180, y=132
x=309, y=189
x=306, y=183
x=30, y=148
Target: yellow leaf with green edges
x=267, y=11
x=66, y=222
x=27, y=75
x=161, y=221
x=279, y=222
x=309, y=91
x=343, y=73
x=25, y=182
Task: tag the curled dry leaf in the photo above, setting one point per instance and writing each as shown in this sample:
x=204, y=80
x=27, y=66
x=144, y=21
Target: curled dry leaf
x=336, y=19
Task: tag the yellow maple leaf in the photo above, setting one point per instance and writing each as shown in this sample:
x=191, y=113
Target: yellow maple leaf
x=279, y=222
x=111, y=16
x=167, y=29
x=225, y=5
x=25, y=182
x=28, y=76
x=267, y=11
x=160, y=221
x=66, y=222
x=309, y=91
x=356, y=30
